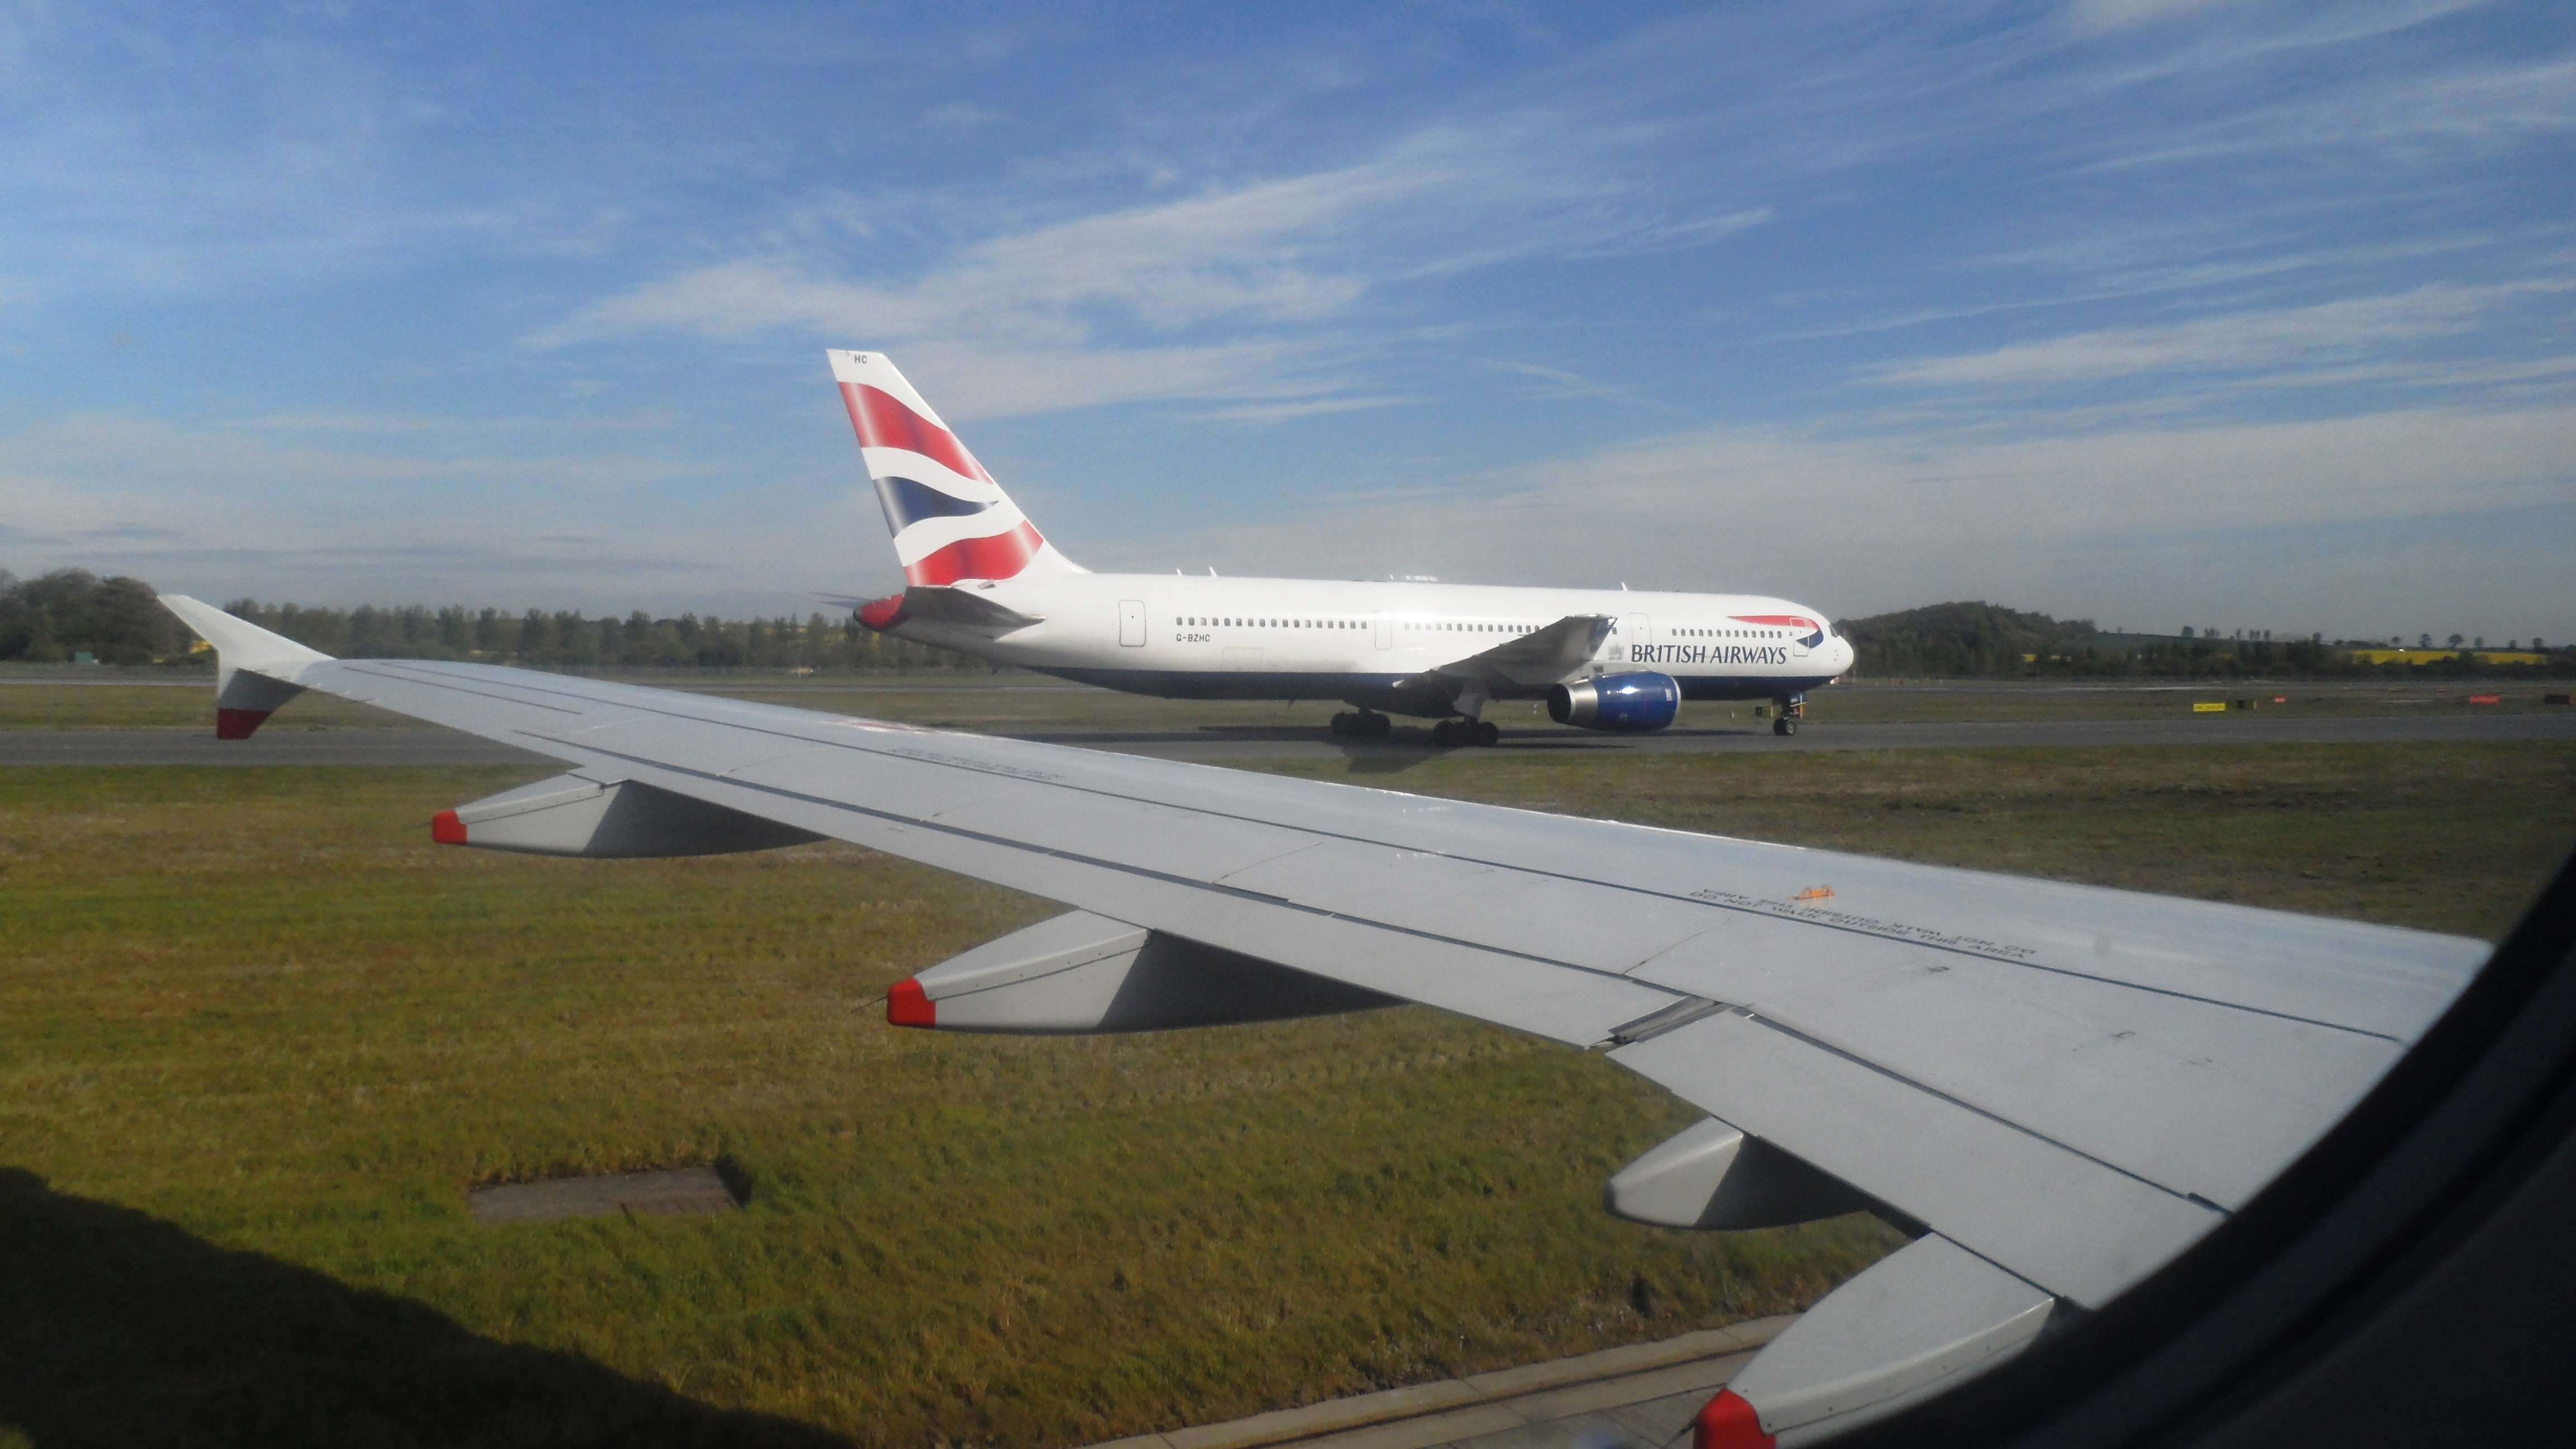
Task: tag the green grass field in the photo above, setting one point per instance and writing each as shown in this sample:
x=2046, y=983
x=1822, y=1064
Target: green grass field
x=257, y=1036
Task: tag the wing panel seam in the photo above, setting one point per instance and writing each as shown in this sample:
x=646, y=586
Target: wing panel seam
x=1964, y=1105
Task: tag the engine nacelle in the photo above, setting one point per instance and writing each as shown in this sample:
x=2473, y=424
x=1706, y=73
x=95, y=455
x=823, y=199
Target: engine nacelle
x=1625, y=704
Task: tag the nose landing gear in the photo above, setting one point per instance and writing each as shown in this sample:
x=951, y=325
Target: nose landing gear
x=1787, y=713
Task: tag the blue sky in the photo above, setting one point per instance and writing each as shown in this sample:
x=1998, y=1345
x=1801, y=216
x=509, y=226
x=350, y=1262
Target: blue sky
x=2165, y=312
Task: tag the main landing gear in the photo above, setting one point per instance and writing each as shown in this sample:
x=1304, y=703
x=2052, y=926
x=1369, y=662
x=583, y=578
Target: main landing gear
x=1450, y=733
x=1367, y=724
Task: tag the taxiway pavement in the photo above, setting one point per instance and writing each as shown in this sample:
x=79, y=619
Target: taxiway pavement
x=1640, y=1397
x=1222, y=744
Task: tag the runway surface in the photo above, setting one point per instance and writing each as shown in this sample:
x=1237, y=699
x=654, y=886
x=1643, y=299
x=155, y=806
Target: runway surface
x=1220, y=744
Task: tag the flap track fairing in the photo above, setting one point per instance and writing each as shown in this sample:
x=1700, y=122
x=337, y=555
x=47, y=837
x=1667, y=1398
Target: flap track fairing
x=574, y=815
x=1712, y=1177
x=1909, y=1326
x=1081, y=973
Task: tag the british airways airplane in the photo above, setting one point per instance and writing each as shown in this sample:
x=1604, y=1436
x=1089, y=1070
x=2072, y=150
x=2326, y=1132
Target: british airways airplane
x=981, y=580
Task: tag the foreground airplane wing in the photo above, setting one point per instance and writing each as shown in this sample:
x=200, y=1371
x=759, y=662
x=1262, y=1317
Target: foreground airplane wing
x=2057, y=1087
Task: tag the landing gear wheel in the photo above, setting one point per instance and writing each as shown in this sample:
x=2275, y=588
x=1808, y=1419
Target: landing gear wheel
x=1376, y=726
x=1445, y=734
x=1784, y=725
x=1346, y=726
x=1484, y=732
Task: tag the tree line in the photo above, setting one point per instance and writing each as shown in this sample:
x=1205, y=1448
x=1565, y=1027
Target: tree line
x=1977, y=639
x=119, y=621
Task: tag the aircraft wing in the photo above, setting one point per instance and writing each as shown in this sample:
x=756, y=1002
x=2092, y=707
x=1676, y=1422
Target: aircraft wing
x=1525, y=661
x=2059, y=1086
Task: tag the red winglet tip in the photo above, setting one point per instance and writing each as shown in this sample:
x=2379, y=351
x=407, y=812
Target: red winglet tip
x=882, y=614
x=1728, y=1422
x=237, y=724
x=908, y=1005
x=446, y=829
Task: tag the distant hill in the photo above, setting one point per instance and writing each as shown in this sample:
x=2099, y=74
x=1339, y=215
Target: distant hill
x=1961, y=638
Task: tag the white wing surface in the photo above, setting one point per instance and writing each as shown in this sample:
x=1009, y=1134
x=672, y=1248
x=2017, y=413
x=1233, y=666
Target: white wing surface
x=1541, y=657
x=2063, y=1085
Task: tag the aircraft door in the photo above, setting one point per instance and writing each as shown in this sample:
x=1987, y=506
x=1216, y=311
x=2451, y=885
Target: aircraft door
x=1131, y=623
x=1636, y=632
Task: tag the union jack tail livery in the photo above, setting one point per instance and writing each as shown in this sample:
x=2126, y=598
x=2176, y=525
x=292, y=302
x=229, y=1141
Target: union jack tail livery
x=949, y=519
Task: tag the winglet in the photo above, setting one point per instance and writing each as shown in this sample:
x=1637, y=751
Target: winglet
x=254, y=669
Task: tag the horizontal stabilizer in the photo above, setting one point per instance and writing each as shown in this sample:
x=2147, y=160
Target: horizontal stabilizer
x=255, y=670
x=938, y=604
x=1911, y=1325
x=570, y=815
x=1085, y=973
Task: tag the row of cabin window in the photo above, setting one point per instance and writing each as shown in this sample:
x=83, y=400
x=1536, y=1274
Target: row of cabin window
x=1197, y=620
x=1200, y=620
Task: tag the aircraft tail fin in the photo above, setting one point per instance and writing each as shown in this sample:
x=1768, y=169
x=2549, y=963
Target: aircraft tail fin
x=949, y=519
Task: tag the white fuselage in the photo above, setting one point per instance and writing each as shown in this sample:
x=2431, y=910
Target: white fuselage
x=1206, y=637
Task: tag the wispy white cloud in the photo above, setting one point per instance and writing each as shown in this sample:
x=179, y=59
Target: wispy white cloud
x=1561, y=383
x=2135, y=521
x=970, y=381
x=1264, y=259
x=2102, y=16
x=441, y=425
x=1273, y=251
x=1022, y=315
x=2462, y=109
x=2295, y=25
x=353, y=510
x=962, y=115
x=1280, y=412
x=2251, y=342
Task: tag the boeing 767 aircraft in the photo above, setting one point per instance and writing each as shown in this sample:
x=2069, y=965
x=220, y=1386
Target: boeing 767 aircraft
x=2055, y=1090
x=982, y=580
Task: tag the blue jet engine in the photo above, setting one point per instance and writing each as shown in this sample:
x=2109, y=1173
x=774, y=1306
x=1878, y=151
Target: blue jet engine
x=1627, y=704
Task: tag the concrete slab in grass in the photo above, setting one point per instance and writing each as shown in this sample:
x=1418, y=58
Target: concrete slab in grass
x=679, y=1190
